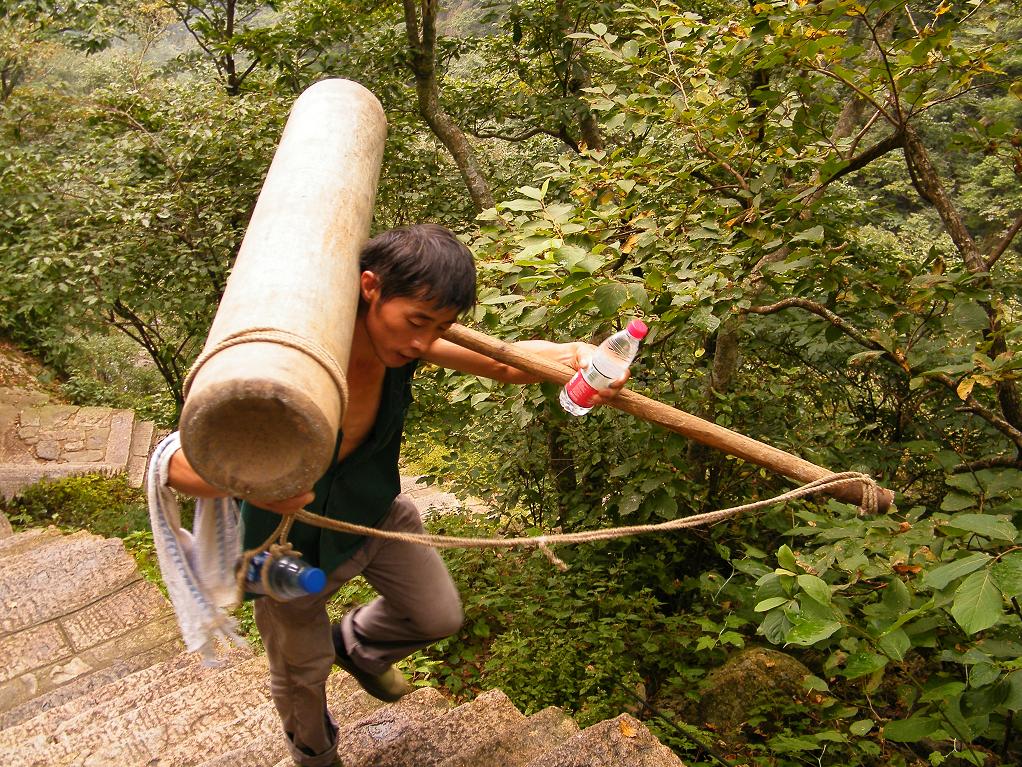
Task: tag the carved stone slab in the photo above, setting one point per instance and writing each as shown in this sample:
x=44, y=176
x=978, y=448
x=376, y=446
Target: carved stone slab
x=53, y=580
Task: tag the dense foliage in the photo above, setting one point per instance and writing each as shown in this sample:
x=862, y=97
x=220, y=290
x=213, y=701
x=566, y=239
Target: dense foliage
x=814, y=205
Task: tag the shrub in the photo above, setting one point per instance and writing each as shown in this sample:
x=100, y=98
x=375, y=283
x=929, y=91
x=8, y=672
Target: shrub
x=105, y=505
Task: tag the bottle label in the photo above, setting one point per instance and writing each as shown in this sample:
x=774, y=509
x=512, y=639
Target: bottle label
x=583, y=392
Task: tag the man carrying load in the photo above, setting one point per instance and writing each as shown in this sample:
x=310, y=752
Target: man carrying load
x=414, y=283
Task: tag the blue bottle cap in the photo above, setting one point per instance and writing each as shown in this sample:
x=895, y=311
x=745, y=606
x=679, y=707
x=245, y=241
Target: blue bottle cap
x=312, y=580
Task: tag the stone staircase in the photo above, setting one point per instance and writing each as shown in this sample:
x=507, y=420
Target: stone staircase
x=94, y=674
x=41, y=440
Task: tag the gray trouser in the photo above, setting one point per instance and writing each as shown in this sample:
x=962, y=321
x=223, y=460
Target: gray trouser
x=418, y=604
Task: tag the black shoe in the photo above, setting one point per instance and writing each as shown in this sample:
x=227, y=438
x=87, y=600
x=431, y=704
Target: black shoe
x=389, y=686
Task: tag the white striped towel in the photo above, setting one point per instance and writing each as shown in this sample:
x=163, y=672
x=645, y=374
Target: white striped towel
x=197, y=566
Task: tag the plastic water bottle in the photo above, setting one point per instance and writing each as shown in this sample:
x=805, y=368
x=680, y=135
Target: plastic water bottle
x=289, y=577
x=610, y=361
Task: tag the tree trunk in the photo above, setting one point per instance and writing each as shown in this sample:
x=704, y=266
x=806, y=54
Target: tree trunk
x=562, y=466
x=928, y=183
x=423, y=65
x=11, y=74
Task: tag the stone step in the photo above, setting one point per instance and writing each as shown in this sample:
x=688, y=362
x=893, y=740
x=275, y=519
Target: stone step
x=70, y=698
x=432, y=501
x=519, y=744
x=73, y=605
x=18, y=543
x=58, y=441
x=11, y=396
x=119, y=695
x=464, y=730
x=620, y=742
x=118, y=443
x=156, y=721
x=366, y=739
x=141, y=445
x=59, y=577
x=257, y=739
x=15, y=478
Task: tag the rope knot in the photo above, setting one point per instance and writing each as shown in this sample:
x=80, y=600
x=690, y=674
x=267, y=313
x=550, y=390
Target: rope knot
x=556, y=561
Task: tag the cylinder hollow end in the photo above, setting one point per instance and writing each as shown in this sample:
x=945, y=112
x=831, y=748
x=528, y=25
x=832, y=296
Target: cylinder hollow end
x=256, y=439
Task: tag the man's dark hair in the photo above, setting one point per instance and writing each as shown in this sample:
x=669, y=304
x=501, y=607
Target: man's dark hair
x=425, y=261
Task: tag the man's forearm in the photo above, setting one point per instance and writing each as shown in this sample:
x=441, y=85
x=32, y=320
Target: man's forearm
x=183, y=478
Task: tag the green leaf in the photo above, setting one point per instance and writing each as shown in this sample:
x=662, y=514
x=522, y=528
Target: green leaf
x=896, y=599
x=978, y=603
x=493, y=300
x=629, y=503
x=812, y=682
x=609, y=298
x=769, y=604
x=943, y=691
x=663, y=504
x=815, y=587
x=571, y=255
x=783, y=744
x=911, y=730
x=969, y=315
x=943, y=575
x=813, y=234
x=955, y=501
x=895, y=644
x=1013, y=701
x=522, y=205
x=861, y=727
x=808, y=631
x=786, y=559
x=775, y=625
x=1007, y=574
x=997, y=528
x=863, y=663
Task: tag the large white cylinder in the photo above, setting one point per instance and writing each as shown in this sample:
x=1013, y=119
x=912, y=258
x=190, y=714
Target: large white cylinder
x=261, y=418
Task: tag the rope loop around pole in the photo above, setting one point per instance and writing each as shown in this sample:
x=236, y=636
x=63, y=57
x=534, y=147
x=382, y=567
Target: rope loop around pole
x=307, y=346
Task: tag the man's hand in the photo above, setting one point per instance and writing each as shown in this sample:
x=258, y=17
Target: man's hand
x=286, y=505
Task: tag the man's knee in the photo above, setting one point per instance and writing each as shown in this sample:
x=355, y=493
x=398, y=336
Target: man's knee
x=443, y=619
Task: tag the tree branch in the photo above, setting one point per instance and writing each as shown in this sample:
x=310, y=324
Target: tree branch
x=527, y=133
x=878, y=150
x=997, y=462
x=969, y=404
x=839, y=322
x=1002, y=246
x=928, y=184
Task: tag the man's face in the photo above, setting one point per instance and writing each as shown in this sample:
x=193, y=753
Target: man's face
x=401, y=329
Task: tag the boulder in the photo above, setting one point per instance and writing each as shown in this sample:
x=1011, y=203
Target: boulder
x=755, y=681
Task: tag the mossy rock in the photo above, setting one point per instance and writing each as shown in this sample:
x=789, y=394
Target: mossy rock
x=754, y=682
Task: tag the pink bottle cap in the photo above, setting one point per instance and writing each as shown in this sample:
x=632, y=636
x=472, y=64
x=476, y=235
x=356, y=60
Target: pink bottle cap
x=637, y=329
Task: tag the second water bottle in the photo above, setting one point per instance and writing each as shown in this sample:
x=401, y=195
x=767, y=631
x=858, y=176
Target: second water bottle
x=289, y=577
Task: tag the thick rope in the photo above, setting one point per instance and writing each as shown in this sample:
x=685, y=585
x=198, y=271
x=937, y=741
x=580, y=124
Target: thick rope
x=307, y=346
x=543, y=542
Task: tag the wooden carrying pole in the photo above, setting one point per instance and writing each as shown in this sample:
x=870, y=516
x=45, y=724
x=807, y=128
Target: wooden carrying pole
x=683, y=423
x=265, y=400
